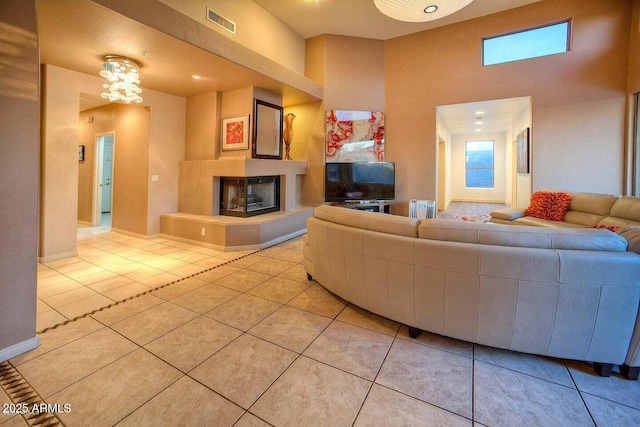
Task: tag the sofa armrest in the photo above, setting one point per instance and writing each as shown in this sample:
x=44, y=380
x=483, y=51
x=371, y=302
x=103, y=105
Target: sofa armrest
x=508, y=214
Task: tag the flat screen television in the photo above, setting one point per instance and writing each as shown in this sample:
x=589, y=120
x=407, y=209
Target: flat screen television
x=359, y=181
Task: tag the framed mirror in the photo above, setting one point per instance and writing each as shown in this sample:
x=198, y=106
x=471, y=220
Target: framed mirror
x=267, y=131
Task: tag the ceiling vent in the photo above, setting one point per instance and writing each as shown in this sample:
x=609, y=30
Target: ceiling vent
x=221, y=21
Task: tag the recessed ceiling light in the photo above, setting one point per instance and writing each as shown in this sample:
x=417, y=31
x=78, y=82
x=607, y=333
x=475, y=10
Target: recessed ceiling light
x=479, y=122
x=419, y=10
x=478, y=130
x=479, y=113
x=196, y=76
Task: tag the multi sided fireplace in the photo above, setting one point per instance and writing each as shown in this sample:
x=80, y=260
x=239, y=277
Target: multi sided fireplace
x=249, y=196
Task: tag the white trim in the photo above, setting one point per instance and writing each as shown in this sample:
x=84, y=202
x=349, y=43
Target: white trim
x=494, y=201
x=19, y=348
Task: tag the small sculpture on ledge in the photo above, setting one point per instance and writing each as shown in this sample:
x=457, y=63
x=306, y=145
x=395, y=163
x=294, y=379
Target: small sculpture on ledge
x=287, y=134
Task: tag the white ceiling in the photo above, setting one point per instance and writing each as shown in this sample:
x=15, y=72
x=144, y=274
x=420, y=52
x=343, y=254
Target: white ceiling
x=496, y=116
x=75, y=34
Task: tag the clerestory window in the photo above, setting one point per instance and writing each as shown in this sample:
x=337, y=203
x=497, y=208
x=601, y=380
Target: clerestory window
x=541, y=41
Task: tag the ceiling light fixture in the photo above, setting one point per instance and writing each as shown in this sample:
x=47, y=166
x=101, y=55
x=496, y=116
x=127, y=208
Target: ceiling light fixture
x=122, y=79
x=419, y=10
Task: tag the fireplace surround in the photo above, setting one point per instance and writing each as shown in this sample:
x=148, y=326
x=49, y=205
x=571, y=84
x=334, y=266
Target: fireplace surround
x=249, y=196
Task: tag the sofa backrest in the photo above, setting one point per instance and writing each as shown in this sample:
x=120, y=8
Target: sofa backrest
x=589, y=208
x=589, y=239
x=374, y=221
x=624, y=212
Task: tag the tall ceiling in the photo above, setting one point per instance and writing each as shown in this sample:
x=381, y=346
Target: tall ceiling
x=75, y=34
x=361, y=18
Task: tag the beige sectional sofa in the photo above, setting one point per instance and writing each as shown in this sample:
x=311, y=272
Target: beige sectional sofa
x=563, y=292
x=585, y=210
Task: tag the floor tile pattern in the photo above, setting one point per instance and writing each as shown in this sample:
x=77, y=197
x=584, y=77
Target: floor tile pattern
x=252, y=342
x=111, y=267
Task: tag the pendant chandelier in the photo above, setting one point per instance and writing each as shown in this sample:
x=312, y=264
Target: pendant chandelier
x=419, y=10
x=122, y=80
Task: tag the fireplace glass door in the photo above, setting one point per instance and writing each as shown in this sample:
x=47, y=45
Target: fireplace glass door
x=249, y=196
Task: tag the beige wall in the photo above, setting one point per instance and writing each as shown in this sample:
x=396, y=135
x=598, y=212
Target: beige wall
x=353, y=75
x=59, y=162
x=256, y=29
x=203, y=129
x=59, y=210
x=130, y=125
x=19, y=153
x=443, y=66
x=575, y=149
x=634, y=49
x=166, y=151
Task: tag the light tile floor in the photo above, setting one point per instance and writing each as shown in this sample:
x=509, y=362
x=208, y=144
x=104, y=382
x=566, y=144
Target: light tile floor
x=253, y=343
x=112, y=267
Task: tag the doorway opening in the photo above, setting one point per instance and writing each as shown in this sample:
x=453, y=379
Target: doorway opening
x=498, y=120
x=103, y=182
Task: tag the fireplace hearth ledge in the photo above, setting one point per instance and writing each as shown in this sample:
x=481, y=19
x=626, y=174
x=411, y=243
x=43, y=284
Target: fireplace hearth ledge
x=228, y=233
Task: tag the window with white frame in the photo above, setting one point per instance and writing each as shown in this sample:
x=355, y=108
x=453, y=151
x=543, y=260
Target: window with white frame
x=533, y=43
x=479, y=164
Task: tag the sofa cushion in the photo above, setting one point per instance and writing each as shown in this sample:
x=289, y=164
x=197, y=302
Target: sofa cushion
x=625, y=212
x=551, y=205
x=632, y=235
x=589, y=239
x=593, y=203
x=508, y=213
x=374, y=221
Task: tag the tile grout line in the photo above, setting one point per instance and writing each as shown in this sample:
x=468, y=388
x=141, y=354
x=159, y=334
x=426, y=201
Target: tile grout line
x=138, y=295
x=158, y=288
x=27, y=402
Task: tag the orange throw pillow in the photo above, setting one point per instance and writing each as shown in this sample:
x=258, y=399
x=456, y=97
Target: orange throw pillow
x=550, y=205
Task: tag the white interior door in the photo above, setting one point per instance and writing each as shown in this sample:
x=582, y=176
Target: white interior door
x=107, y=173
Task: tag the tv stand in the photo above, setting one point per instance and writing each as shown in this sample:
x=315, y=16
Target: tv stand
x=364, y=205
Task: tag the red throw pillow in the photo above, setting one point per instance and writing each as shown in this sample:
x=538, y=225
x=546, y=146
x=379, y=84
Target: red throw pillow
x=550, y=205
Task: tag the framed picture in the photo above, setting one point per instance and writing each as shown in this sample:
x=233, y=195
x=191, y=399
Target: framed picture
x=354, y=136
x=522, y=142
x=267, y=130
x=81, y=153
x=235, y=133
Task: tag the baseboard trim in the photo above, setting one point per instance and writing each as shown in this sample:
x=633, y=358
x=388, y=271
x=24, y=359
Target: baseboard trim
x=19, y=348
x=497, y=202
x=50, y=258
x=131, y=234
